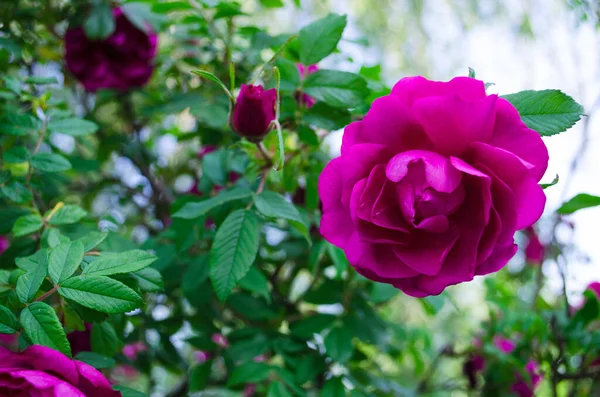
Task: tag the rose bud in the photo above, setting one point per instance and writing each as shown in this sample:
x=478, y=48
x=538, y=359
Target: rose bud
x=122, y=61
x=253, y=112
x=432, y=185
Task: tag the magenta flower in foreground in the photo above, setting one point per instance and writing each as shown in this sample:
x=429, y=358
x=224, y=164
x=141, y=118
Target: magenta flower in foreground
x=253, y=112
x=122, y=61
x=306, y=100
x=432, y=184
x=41, y=371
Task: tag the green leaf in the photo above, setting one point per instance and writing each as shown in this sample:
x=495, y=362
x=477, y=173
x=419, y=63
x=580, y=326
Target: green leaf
x=64, y=260
x=42, y=326
x=8, y=322
x=55, y=238
x=92, y=240
x=127, y=392
x=149, y=280
x=321, y=38
x=307, y=327
x=96, y=360
x=338, y=344
x=67, y=214
x=27, y=224
x=334, y=387
x=233, y=251
x=383, y=292
x=196, y=210
x=339, y=259
x=547, y=185
x=41, y=80
x=17, y=192
x=579, y=202
x=199, y=376
x=101, y=293
x=273, y=205
x=73, y=126
x=214, y=79
x=195, y=275
x=250, y=372
x=50, y=162
x=141, y=16
x=278, y=389
x=271, y=3
x=548, y=112
x=30, y=282
x=104, y=339
x=19, y=124
x=4, y=177
x=256, y=282
x=337, y=89
x=16, y=155
x=308, y=136
x=100, y=23
x=119, y=263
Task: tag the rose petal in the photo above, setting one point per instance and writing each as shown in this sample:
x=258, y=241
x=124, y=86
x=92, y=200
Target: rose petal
x=427, y=252
x=452, y=123
x=92, y=383
x=439, y=173
x=410, y=89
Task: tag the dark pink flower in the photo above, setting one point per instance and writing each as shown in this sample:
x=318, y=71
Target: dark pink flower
x=132, y=350
x=253, y=112
x=219, y=340
x=41, y=371
x=201, y=357
x=122, y=61
x=80, y=340
x=473, y=366
x=504, y=345
x=306, y=100
x=526, y=388
x=4, y=244
x=534, y=250
x=432, y=184
x=9, y=341
x=249, y=390
x=206, y=150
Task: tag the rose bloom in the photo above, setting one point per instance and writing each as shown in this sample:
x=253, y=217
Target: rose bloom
x=4, y=244
x=41, y=371
x=132, y=350
x=80, y=341
x=253, y=112
x=122, y=61
x=526, y=388
x=432, y=184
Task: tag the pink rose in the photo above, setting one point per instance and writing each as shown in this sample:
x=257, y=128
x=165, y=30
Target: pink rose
x=4, y=244
x=504, y=345
x=432, y=184
x=303, y=98
x=534, y=250
x=219, y=340
x=595, y=288
x=132, y=350
x=41, y=371
x=122, y=61
x=201, y=356
x=526, y=388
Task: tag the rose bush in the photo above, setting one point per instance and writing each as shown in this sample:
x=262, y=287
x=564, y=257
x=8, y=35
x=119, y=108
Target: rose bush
x=432, y=184
x=41, y=371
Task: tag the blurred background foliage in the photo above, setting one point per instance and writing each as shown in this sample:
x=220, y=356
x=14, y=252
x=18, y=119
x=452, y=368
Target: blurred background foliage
x=302, y=322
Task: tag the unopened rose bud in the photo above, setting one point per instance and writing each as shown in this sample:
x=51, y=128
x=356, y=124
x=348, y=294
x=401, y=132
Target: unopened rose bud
x=253, y=112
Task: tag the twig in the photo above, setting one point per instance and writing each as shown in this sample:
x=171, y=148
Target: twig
x=47, y=294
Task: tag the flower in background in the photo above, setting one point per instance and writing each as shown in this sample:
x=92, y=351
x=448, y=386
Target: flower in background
x=9, y=341
x=505, y=345
x=219, y=340
x=132, y=350
x=201, y=356
x=41, y=371
x=249, y=390
x=253, y=112
x=595, y=288
x=432, y=185
x=306, y=100
x=122, y=61
x=523, y=387
x=534, y=250
x=4, y=244
x=80, y=340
